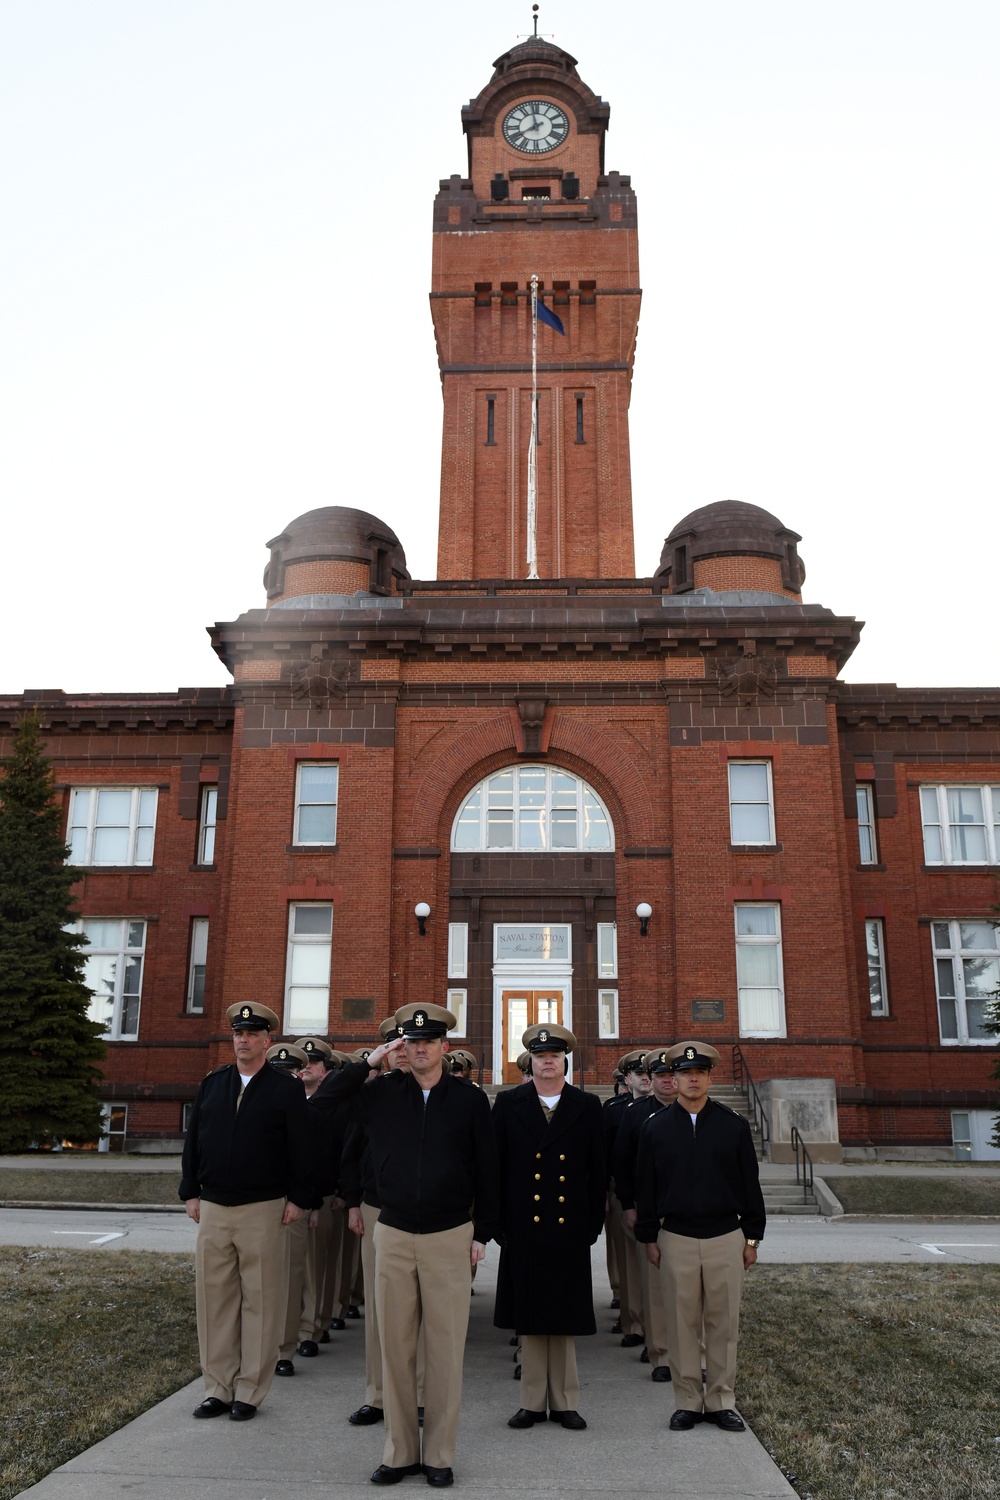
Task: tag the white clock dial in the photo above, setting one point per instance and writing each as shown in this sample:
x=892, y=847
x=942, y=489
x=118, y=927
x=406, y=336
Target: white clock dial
x=535, y=127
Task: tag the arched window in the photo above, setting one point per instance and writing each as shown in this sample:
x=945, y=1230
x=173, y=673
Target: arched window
x=532, y=807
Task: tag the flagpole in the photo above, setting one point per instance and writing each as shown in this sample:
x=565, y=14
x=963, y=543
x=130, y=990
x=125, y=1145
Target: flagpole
x=533, y=439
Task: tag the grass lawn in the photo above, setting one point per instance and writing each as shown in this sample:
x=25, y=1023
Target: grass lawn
x=876, y=1382
x=88, y=1340
x=951, y=1193
x=49, y=1185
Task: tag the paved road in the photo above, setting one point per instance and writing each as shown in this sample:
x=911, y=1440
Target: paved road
x=795, y=1240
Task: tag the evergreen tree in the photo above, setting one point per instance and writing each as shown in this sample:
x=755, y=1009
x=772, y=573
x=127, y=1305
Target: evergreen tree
x=49, y=1049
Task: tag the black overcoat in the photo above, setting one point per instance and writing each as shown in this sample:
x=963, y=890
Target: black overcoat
x=552, y=1186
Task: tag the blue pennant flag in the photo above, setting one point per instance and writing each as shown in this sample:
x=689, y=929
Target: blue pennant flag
x=545, y=315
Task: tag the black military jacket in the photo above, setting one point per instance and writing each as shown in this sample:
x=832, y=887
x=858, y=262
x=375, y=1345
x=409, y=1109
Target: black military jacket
x=700, y=1181
x=263, y=1150
x=613, y=1114
x=434, y=1164
x=626, y=1151
x=552, y=1186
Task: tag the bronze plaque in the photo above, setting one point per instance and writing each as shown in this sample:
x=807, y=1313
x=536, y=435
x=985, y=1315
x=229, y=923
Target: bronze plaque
x=708, y=1012
x=359, y=1010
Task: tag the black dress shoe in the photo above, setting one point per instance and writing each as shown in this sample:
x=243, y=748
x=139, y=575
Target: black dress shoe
x=644, y=1356
x=386, y=1474
x=242, y=1411
x=525, y=1418
x=683, y=1421
x=366, y=1415
x=514, y=1341
x=661, y=1373
x=309, y=1348
x=212, y=1407
x=616, y=1326
x=517, y=1372
x=570, y=1419
x=284, y=1367
x=631, y=1340
x=728, y=1420
x=439, y=1477
x=337, y=1325
x=352, y=1312
x=324, y=1337
x=615, y=1304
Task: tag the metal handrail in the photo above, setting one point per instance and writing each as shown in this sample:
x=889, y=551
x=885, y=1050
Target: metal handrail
x=802, y=1157
x=743, y=1080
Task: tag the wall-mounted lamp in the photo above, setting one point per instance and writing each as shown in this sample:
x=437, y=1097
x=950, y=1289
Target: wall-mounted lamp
x=643, y=911
x=422, y=911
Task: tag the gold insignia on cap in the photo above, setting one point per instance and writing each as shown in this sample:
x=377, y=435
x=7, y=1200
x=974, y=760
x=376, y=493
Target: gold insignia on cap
x=246, y=1014
x=663, y=1057
x=283, y=1054
x=419, y=1017
x=689, y=1054
x=366, y=1052
x=543, y=1036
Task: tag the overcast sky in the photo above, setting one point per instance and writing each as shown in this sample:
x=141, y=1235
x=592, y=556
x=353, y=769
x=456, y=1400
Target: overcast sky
x=215, y=260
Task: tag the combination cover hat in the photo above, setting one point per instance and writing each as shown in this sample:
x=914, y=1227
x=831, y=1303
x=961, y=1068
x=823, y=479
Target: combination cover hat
x=250, y=1016
x=417, y=1021
x=286, y=1055
x=658, y=1061
x=547, y=1037
x=316, y=1049
x=389, y=1029
x=692, y=1055
x=632, y=1062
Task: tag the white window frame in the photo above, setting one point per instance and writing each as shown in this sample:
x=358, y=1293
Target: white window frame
x=314, y=1024
x=482, y=790
x=956, y=956
x=769, y=939
x=316, y=765
x=607, y=998
x=122, y=950
x=607, y=950
x=83, y=827
x=935, y=814
x=458, y=1004
x=197, y=962
x=458, y=950
x=767, y=802
x=971, y=1134
x=878, y=981
x=867, y=837
x=108, y=1113
x=208, y=807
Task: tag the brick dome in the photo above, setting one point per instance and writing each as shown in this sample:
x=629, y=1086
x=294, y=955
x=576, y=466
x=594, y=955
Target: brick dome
x=732, y=545
x=334, y=550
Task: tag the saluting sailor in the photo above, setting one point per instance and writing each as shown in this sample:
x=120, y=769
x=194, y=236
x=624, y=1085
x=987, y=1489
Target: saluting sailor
x=550, y=1140
x=701, y=1214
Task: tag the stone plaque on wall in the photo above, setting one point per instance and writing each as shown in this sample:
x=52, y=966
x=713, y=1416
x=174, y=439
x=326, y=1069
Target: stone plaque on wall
x=359, y=1010
x=707, y=1012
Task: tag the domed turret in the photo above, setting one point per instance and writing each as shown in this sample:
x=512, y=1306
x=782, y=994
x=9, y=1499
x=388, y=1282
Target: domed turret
x=731, y=545
x=333, y=550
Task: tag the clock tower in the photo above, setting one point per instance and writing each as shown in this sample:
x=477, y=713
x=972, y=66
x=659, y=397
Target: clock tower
x=537, y=201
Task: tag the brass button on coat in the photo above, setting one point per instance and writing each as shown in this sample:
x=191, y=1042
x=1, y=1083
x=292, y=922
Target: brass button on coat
x=562, y=1221
x=562, y=1157
x=537, y=1219
x=538, y=1198
x=561, y=1200
x=562, y=1179
x=538, y=1176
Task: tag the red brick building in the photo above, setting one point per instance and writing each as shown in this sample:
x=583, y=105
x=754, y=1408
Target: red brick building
x=533, y=760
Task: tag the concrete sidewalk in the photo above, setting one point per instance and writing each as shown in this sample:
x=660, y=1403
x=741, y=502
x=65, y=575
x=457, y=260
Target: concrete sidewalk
x=301, y=1443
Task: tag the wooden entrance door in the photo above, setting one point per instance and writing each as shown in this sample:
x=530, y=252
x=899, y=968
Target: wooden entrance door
x=521, y=1009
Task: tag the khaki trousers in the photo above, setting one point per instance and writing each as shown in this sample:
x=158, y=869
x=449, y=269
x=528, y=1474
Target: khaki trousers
x=549, y=1379
x=331, y=1265
x=373, y=1342
x=317, y=1245
x=297, y=1237
x=654, y=1314
x=347, y=1268
x=702, y=1280
x=630, y=1276
x=240, y=1297
x=422, y=1281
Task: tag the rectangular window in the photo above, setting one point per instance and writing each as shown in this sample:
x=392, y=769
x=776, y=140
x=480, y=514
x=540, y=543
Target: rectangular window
x=307, y=974
x=198, y=954
x=114, y=1123
x=878, y=991
x=759, y=970
x=316, y=803
x=579, y=420
x=458, y=1005
x=751, y=804
x=206, y=824
x=866, y=825
x=113, y=962
x=607, y=1013
x=961, y=824
x=186, y=1110
x=491, y=439
x=967, y=976
x=607, y=950
x=111, y=825
x=458, y=950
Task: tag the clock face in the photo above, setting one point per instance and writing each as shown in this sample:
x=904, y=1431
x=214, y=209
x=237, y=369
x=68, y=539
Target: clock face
x=535, y=127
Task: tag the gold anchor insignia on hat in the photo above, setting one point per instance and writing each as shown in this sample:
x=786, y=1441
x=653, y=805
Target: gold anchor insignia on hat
x=543, y=1036
x=283, y=1054
x=690, y=1054
x=419, y=1018
x=246, y=1014
x=663, y=1057
x=365, y=1054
